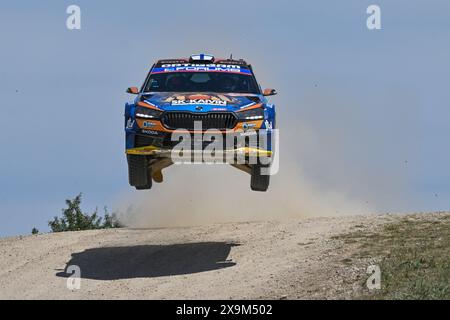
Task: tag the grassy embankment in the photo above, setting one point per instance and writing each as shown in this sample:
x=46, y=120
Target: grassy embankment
x=413, y=255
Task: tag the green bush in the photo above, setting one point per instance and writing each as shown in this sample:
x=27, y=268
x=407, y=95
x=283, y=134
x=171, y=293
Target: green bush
x=73, y=219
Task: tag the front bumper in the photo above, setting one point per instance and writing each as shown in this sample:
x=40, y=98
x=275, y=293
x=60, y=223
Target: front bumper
x=165, y=152
x=152, y=138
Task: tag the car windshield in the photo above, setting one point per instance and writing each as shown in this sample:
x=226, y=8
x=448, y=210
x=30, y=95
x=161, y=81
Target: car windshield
x=223, y=82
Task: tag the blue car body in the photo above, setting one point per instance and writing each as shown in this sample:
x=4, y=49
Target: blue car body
x=177, y=92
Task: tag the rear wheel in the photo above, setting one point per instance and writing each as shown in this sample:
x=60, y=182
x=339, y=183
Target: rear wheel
x=139, y=172
x=259, y=181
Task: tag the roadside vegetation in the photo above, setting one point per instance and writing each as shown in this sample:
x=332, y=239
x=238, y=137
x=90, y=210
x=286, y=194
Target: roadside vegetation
x=413, y=255
x=74, y=219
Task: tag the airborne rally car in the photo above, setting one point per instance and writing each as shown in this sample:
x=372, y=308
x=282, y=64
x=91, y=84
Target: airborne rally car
x=192, y=107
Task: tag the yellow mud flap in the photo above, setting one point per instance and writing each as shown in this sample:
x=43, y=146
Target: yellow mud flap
x=152, y=150
x=254, y=151
x=149, y=150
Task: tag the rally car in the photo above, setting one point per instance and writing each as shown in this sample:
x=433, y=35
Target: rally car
x=191, y=98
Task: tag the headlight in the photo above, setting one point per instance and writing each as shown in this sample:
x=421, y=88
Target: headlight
x=147, y=113
x=253, y=114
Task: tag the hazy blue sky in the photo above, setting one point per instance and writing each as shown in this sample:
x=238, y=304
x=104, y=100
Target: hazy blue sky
x=377, y=101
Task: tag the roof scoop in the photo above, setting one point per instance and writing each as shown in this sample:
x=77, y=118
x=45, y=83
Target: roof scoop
x=201, y=58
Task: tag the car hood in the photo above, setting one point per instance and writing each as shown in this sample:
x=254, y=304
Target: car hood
x=200, y=102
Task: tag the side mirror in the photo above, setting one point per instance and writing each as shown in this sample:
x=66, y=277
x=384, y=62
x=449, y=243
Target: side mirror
x=133, y=90
x=269, y=92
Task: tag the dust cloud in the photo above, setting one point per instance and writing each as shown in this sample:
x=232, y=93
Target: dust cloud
x=198, y=194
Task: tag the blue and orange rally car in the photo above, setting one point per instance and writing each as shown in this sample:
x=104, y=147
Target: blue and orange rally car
x=222, y=95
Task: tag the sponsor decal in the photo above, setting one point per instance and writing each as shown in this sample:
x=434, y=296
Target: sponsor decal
x=130, y=123
x=247, y=126
x=249, y=133
x=148, y=124
x=198, y=99
x=172, y=65
x=168, y=61
x=268, y=124
x=153, y=132
x=215, y=97
x=187, y=67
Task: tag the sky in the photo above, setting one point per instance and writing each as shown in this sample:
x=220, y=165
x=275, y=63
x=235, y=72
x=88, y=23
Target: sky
x=362, y=112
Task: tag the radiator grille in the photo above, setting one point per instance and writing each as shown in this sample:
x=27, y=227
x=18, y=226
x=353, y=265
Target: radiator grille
x=185, y=120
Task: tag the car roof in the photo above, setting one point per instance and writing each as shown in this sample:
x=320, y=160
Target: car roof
x=228, y=61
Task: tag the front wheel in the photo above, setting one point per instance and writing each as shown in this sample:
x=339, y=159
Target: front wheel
x=139, y=172
x=259, y=180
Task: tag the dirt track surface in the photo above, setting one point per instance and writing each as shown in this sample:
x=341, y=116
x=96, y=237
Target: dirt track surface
x=294, y=259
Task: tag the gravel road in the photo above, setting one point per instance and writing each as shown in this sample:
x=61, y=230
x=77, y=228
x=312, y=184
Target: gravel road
x=291, y=259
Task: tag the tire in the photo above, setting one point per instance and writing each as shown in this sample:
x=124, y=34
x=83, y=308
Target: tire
x=258, y=181
x=139, y=173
